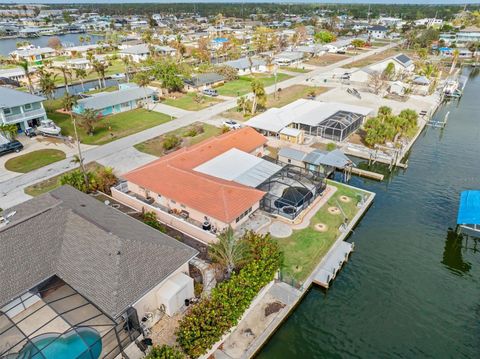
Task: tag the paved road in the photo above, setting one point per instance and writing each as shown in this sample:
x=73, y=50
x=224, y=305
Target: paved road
x=11, y=191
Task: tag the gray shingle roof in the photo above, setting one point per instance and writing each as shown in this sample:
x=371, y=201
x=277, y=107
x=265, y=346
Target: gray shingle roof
x=203, y=79
x=107, y=256
x=12, y=98
x=103, y=100
x=243, y=63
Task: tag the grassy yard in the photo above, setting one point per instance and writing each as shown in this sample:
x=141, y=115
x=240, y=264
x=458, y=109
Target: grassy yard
x=304, y=249
x=116, y=67
x=112, y=127
x=293, y=93
x=327, y=59
x=51, y=183
x=301, y=69
x=242, y=85
x=187, y=102
x=154, y=146
x=33, y=160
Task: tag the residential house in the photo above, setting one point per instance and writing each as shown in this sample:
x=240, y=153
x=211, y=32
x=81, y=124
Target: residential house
x=288, y=58
x=203, y=188
x=137, y=53
x=468, y=35
x=402, y=63
x=377, y=32
x=75, y=267
x=21, y=108
x=244, y=66
x=16, y=74
x=129, y=97
x=201, y=82
x=35, y=56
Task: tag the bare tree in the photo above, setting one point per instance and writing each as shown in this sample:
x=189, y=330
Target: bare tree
x=376, y=82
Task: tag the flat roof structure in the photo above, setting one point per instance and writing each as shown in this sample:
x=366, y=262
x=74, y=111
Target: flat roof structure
x=241, y=167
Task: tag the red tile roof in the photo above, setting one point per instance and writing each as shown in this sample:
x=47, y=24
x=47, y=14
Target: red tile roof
x=173, y=176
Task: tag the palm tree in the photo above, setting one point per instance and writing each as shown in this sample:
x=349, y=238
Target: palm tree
x=126, y=62
x=81, y=74
x=47, y=83
x=455, y=57
x=88, y=119
x=100, y=68
x=69, y=102
x=24, y=65
x=259, y=96
x=229, y=251
x=66, y=73
x=143, y=80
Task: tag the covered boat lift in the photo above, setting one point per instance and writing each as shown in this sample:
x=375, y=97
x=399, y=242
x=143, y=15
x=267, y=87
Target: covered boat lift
x=468, y=219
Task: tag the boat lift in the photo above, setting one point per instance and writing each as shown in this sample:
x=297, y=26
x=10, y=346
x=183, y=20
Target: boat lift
x=439, y=124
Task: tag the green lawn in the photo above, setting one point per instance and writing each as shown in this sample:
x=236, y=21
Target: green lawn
x=116, y=67
x=112, y=127
x=154, y=146
x=54, y=182
x=187, y=102
x=301, y=69
x=33, y=160
x=242, y=85
x=293, y=93
x=304, y=249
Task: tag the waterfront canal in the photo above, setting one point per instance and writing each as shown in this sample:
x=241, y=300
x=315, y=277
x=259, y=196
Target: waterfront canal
x=411, y=290
x=9, y=45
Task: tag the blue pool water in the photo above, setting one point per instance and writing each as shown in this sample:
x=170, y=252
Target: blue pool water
x=84, y=343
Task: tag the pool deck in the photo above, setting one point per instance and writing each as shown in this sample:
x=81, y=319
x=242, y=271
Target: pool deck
x=291, y=296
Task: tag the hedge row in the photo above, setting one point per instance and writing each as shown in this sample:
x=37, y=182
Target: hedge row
x=210, y=319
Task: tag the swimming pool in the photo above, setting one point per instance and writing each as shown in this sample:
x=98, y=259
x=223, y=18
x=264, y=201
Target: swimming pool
x=82, y=343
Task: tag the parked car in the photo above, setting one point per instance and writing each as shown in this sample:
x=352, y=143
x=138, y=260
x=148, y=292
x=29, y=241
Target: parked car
x=231, y=124
x=30, y=132
x=14, y=146
x=345, y=76
x=210, y=92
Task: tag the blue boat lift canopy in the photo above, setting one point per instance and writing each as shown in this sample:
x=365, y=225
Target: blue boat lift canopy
x=469, y=210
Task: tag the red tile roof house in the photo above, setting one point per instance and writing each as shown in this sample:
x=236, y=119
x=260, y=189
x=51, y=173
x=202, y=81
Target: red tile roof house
x=174, y=188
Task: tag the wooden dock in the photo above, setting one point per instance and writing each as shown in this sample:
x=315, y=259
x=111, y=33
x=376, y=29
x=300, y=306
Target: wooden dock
x=367, y=174
x=327, y=272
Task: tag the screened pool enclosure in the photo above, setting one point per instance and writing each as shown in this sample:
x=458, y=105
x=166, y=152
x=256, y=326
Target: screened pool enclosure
x=53, y=321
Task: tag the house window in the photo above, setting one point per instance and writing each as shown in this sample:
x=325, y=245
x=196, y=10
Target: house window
x=28, y=106
x=7, y=111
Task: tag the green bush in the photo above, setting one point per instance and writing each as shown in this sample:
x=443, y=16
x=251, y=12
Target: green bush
x=150, y=218
x=99, y=180
x=210, y=319
x=331, y=146
x=164, y=352
x=170, y=142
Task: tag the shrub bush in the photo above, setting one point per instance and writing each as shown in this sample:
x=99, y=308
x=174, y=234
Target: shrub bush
x=99, y=180
x=211, y=318
x=170, y=142
x=164, y=352
x=150, y=218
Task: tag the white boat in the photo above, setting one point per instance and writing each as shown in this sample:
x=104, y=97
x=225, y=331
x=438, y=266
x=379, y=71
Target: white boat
x=118, y=76
x=451, y=87
x=48, y=127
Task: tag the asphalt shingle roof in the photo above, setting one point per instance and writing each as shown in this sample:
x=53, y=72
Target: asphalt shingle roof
x=12, y=98
x=107, y=256
x=107, y=99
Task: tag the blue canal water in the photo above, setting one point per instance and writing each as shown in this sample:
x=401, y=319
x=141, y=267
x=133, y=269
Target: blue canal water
x=9, y=45
x=411, y=288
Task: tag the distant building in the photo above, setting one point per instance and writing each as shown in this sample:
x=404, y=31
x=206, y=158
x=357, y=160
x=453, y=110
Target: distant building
x=377, y=32
x=244, y=66
x=36, y=55
x=288, y=58
x=203, y=81
x=21, y=108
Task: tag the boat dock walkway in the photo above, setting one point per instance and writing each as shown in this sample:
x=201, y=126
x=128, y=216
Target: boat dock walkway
x=328, y=270
x=367, y=174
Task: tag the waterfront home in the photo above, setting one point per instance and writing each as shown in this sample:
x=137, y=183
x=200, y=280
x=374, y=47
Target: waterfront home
x=83, y=49
x=201, y=82
x=127, y=98
x=244, y=66
x=377, y=32
x=80, y=63
x=288, y=58
x=21, y=108
x=330, y=120
x=136, y=53
x=36, y=55
x=203, y=188
x=74, y=267
x=468, y=35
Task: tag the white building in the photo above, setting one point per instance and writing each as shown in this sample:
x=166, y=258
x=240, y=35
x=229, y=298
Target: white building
x=21, y=108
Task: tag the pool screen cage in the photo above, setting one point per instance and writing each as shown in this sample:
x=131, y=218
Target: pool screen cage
x=337, y=127
x=53, y=315
x=291, y=190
